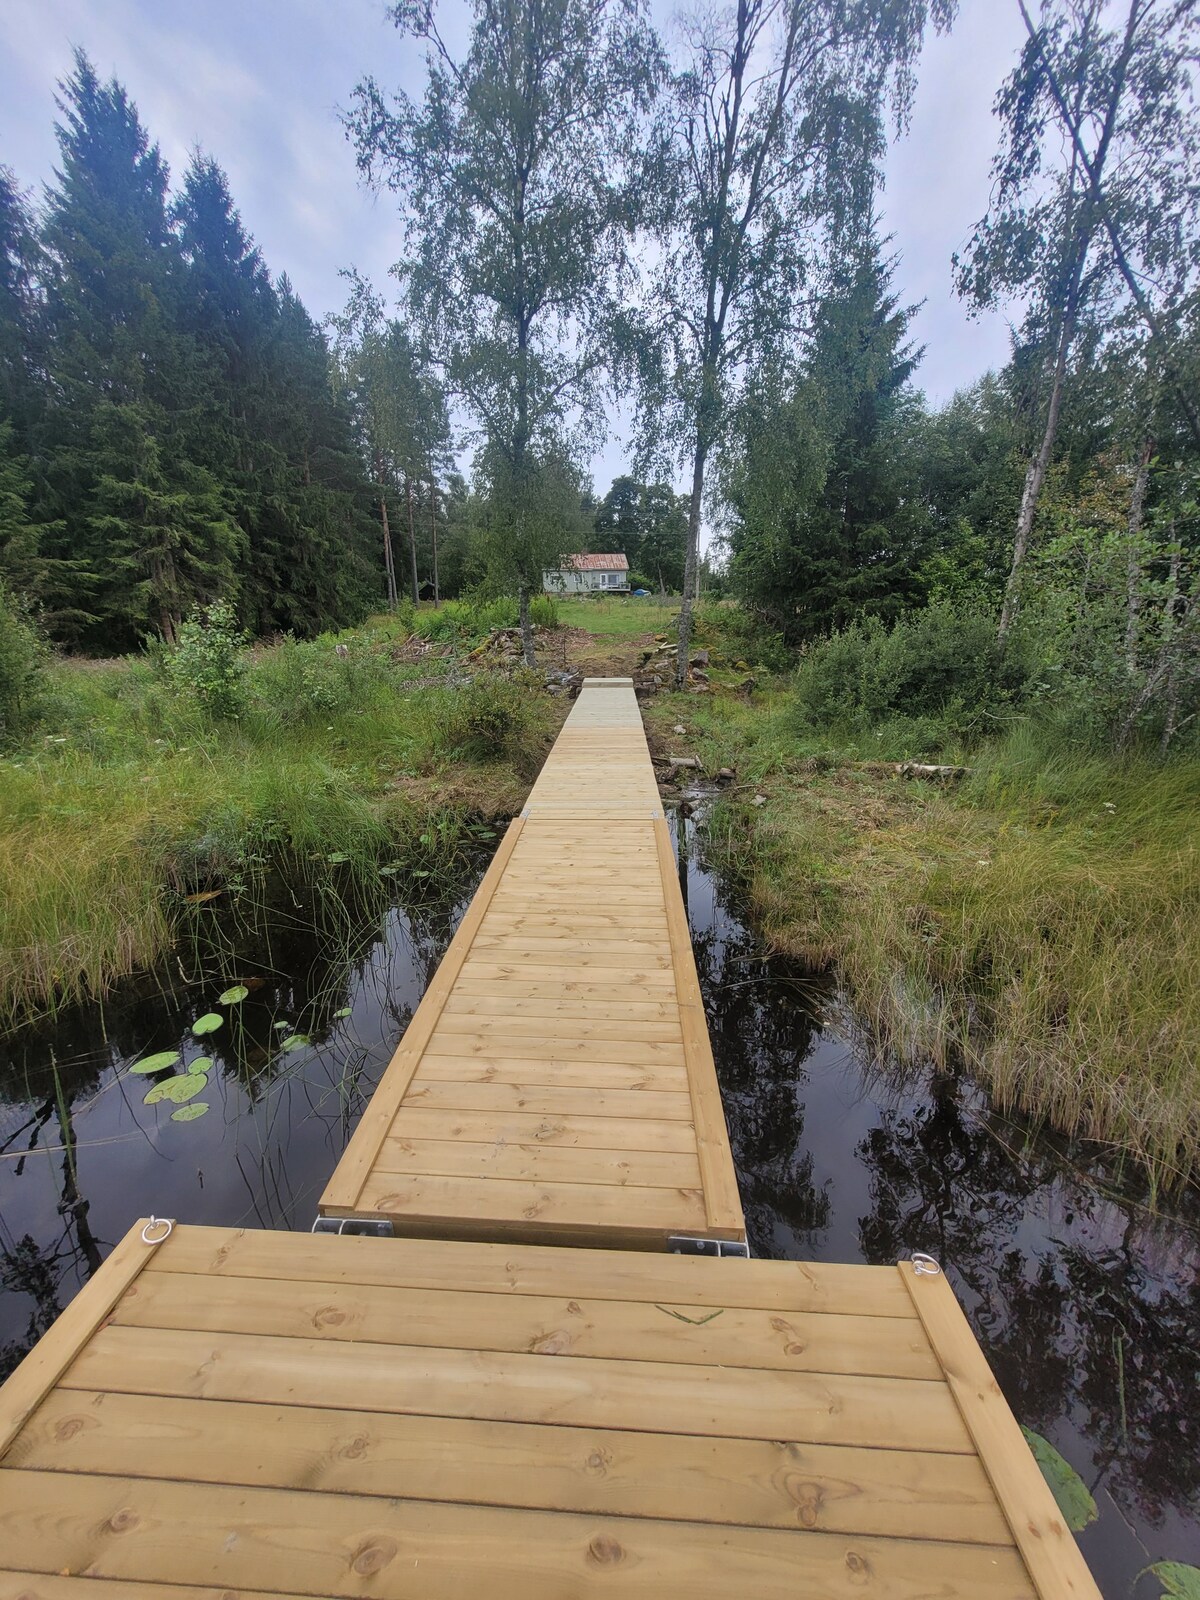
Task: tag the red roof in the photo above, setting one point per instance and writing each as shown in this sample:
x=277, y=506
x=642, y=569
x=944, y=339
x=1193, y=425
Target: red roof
x=611, y=563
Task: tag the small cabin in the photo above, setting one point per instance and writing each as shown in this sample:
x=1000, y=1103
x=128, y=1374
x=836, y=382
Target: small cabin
x=588, y=575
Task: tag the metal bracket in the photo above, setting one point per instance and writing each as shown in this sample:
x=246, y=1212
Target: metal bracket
x=682, y=1245
x=374, y=1228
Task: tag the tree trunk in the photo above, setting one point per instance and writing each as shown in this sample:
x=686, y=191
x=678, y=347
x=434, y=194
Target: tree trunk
x=1171, y=720
x=437, y=593
x=389, y=565
x=691, y=565
x=526, y=622
x=1133, y=568
x=1035, y=477
x=412, y=543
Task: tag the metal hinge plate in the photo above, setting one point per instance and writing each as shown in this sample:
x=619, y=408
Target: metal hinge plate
x=372, y=1227
x=681, y=1245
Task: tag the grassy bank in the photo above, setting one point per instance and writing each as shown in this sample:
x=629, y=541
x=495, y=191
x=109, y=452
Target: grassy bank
x=1037, y=922
x=127, y=797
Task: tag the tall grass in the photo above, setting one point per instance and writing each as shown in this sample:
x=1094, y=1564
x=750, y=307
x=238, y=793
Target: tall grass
x=129, y=798
x=1038, y=924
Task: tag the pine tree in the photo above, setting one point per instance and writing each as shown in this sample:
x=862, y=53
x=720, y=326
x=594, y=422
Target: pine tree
x=143, y=531
x=830, y=524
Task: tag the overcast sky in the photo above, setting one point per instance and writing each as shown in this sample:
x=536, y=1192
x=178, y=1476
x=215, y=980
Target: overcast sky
x=258, y=82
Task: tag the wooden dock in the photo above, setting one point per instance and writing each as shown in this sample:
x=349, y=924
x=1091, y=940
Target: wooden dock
x=222, y=1414
x=230, y=1414
x=557, y=1083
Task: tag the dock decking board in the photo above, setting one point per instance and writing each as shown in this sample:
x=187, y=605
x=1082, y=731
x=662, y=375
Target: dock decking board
x=233, y=1413
x=557, y=1082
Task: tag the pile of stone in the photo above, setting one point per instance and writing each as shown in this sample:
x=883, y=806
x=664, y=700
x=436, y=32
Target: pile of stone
x=658, y=668
x=568, y=683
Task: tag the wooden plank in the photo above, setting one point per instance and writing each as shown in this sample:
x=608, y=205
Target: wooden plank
x=499, y=1046
x=1058, y=1569
x=550, y=1100
x=478, y=986
x=344, y=1545
x=465, y=1319
x=617, y=1075
x=430, y=1197
x=663, y=1397
x=42, y=1368
x=467, y=1001
x=520, y=1127
x=53, y=1586
x=343, y=1186
x=757, y=1483
x=712, y=1137
x=538, y=1163
x=642, y=982
x=499, y=1269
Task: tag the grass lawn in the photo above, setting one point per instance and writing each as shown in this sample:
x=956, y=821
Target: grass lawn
x=617, y=614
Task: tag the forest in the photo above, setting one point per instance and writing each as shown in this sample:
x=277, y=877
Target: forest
x=200, y=478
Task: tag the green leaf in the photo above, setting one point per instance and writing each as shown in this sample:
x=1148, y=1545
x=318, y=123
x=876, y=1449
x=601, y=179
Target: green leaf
x=295, y=1041
x=1178, y=1579
x=158, y=1063
x=344, y=1011
x=337, y=858
x=200, y=1064
x=178, y=1090
x=1073, y=1495
x=190, y=1113
x=234, y=996
x=208, y=1023
x=387, y=872
x=281, y=1027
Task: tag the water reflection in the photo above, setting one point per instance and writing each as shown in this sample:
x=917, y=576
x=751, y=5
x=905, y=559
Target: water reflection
x=81, y=1155
x=1087, y=1305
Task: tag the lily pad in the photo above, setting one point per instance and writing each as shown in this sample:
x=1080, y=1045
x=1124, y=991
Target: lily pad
x=200, y=1064
x=295, y=1041
x=158, y=1063
x=234, y=996
x=1072, y=1494
x=186, y=1087
x=1178, y=1580
x=343, y=1011
x=208, y=1023
x=282, y=1027
x=190, y=1113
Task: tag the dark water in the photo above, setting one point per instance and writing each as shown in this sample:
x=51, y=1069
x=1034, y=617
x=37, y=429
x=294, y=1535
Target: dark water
x=1088, y=1306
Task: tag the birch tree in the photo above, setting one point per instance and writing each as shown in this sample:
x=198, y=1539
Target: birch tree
x=776, y=129
x=1095, y=201
x=516, y=185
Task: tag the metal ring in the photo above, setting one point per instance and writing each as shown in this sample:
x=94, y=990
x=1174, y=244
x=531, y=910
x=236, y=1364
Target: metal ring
x=158, y=1222
x=923, y=1265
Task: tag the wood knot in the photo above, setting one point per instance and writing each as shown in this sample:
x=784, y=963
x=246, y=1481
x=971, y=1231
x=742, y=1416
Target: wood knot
x=122, y=1521
x=355, y=1448
x=69, y=1427
x=808, y=1498
x=328, y=1317
x=551, y=1344
x=605, y=1551
x=575, y=1309
x=858, y=1567
x=598, y=1463
x=373, y=1555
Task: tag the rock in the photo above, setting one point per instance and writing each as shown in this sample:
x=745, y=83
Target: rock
x=698, y=676
x=679, y=728
x=759, y=800
x=700, y=659
x=726, y=775
x=684, y=761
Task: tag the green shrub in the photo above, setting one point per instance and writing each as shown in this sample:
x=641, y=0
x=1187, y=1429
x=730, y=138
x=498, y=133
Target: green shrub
x=208, y=661
x=940, y=671
x=22, y=663
x=740, y=635
x=494, y=718
x=460, y=620
x=543, y=609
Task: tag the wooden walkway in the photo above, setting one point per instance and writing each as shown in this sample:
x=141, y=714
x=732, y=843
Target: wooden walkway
x=222, y=1414
x=237, y=1414
x=556, y=1083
